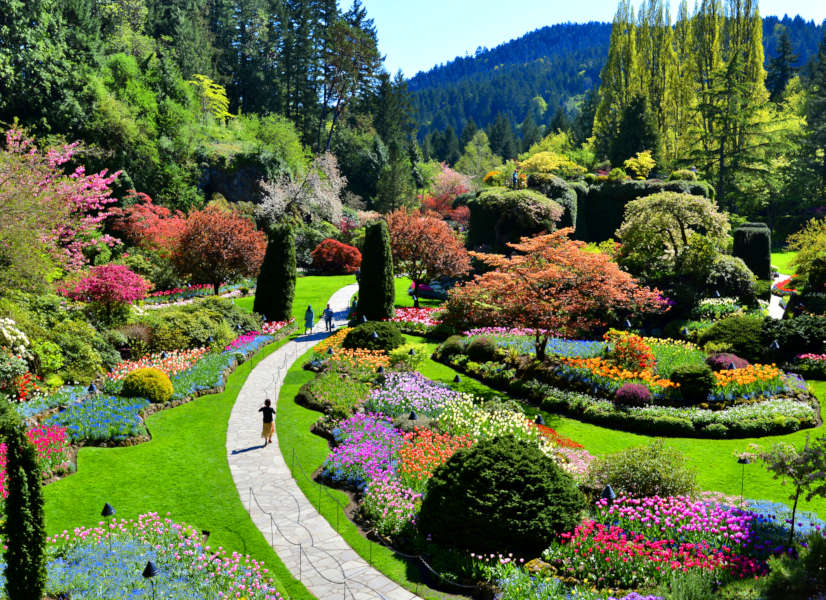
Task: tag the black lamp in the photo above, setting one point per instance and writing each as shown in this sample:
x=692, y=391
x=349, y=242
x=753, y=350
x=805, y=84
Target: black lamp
x=330, y=351
x=149, y=571
x=608, y=494
x=163, y=354
x=412, y=352
x=539, y=420
x=413, y=416
x=743, y=460
x=363, y=319
x=628, y=323
x=732, y=366
x=716, y=293
x=375, y=335
x=92, y=388
x=775, y=345
x=684, y=331
x=457, y=379
x=380, y=370
x=107, y=511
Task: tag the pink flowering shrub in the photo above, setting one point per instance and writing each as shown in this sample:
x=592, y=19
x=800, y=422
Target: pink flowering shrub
x=111, y=287
x=418, y=316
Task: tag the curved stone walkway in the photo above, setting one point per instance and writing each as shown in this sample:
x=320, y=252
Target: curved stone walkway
x=306, y=543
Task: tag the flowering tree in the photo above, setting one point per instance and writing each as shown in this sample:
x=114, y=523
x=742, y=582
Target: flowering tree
x=315, y=195
x=46, y=216
x=447, y=186
x=217, y=246
x=550, y=284
x=425, y=247
x=147, y=225
x=111, y=287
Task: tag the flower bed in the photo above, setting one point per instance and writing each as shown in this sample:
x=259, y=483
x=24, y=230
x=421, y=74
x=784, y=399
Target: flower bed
x=403, y=392
x=417, y=316
x=200, y=290
x=106, y=562
x=51, y=445
x=171, y=362
x=101, y=418
x=784, y=287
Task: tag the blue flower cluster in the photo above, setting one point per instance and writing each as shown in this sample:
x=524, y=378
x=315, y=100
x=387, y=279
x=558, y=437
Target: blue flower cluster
x=774, y=522
x=525, y=344
x=61, y=397
x=101, y=418
x=208, y=373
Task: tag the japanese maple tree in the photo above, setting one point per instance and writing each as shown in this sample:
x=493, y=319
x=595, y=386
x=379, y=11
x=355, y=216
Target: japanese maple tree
x=217, y=245
x=425, y=247
x=552, y=285
x=111, y=287
x=147, y=225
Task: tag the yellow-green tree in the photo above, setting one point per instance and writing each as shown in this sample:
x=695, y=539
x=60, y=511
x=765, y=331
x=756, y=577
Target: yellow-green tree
x=213, y=98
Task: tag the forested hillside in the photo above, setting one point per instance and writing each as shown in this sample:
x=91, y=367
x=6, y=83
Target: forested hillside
x=558, y=63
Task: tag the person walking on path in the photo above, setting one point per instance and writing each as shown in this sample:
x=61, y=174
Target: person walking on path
x=309, y=319
x=328, y=318
x=269, y=421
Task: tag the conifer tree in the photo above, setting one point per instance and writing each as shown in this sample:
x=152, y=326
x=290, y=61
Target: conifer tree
x=816, y=121
x=377, y=294
x=275, y=289
x=468, y=131
x=781, y=68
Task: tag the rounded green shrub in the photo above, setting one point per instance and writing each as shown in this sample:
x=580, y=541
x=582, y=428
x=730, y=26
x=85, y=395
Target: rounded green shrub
x=387, y=338
x=150, y=383
x=481, y=349
x=695, y=381
x=731, y=277
x=502, y=495
x=652, y=470
x=683, y=175
x=452, y=346
x=817, y=275
x=741, y=334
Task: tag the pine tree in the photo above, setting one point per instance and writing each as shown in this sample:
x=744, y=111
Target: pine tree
x=780, y=69
x=559, y=122
x=501, y=137
x=377, y=295
x=275, y=289
x=450, y=152
x=637, y=131
x=815, y=140
x=24, y=531
x=583, y=124
x=468, y=131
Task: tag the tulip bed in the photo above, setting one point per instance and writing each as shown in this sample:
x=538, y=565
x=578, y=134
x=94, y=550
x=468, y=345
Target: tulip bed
x=52, y=446
x=187, y=568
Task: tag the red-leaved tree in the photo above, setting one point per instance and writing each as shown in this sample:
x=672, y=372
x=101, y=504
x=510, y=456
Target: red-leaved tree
x=217, y=245
x=425, y=247
x=148, y=225
x=334, y=257
x=550, y=284
x=447, y=186
x=111, y=287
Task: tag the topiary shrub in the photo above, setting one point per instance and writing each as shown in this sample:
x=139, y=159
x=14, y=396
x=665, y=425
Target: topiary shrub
x=334, y=258
x=725, y=360
x=559, y=191
x=452, y=346
x=742, y=334
x=652, y=470
x=633, y=394
x=275, y=289
x=695, y=381
x=752, y=243
x=682, y=175
x=502, y=495
x=481, y=349
x=388, y=336
x=731, y=277
x=377, y=291
x=150, y=383
x=499, y=216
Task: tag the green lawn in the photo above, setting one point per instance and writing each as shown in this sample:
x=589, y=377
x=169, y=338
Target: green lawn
x=404, y=300
x=783, y=262
x=717, y=469
x=309, y=290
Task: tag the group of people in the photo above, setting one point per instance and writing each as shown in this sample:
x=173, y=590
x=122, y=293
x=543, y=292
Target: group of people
x=309, y=319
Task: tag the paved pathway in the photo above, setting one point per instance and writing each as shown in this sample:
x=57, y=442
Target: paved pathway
x=775, y=309
x=310, y=548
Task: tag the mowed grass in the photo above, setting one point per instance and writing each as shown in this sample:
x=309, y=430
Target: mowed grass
x=714, y=461
x=404, y=300
x=311, y=290
x=783, y=262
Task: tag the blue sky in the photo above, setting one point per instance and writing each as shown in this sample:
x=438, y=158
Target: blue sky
x=418, y=34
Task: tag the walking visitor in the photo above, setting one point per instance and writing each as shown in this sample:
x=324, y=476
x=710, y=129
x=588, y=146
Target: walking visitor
x=269, y=421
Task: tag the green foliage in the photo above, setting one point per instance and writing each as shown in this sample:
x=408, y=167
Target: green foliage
x=47, y=357
x=152, y=384
x=652, y=470
x=388, y=336
x=731, y=277
x=188, y=327
x=377, y=292
x=481, y=349
x=696, y=382
x=453, y=345
x=23, y=528
x=683, y=175
x=275, y=290
x=752, y=243
x=802, y=577
x=308, y=237
x=499, y=216
x=559, y=191
x=640, y=164
x=741, y=334
x=800, y=335
x=402, y=359
x=817, y=275
x=333, y=392
x=81, y=361
x=501, y=495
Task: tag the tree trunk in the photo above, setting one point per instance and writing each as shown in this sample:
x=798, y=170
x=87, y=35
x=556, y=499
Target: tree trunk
x=216, y=285
x=794, y=512
x=540, y=344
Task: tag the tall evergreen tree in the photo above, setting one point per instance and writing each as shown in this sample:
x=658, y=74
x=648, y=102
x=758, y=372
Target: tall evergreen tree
x=468, y=131
x=583, y=125
x=449, y=147
x=815, y=139
x=377, y=290
x=24, y=531
x=275, y=288
x=501, y=137
x=637, y=131
x=559, y=122
x=531, y=132
x=781, y=68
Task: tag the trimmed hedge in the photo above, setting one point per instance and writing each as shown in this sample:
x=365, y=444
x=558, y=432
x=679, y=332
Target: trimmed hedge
x=377, y=290
x=696, y=382
x=387, y=338
x=559, y=191
x=275, y=289
x=742, y=333
x=499, y=216
x=752, y=243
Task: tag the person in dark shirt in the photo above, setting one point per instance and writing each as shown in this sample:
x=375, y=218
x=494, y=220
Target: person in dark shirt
x=269, y=421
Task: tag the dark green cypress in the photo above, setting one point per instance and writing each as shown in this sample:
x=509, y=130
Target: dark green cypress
x=275, y=289
x=752, y=243
x=377, y=292
x=24, y=531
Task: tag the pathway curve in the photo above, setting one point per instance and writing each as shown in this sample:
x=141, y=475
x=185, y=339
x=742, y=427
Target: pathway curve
x=303, y=539
x=775, y=309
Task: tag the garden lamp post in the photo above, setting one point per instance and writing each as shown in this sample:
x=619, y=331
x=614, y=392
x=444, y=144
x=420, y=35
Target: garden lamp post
x=742, y=460
x=539, y=420
x=380, y=370
x=330, y=351
x=628, y=324
x=775, y=345
x=413, y=416
x=149, y=571
x=608, y=495
x=412, y=352
x=107, y=512
x=457, y=379
x=375, y=335
x=92, y=389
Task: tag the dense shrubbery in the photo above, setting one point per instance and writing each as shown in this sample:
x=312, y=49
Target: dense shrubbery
x=499, y=216
x=633, y=394
x=149, y=383
x=695, y=381
x=752, y=243
x=501, y=495
x=725, y=360
x=653, y=470
x=729, y=276
x=741, y=334
x=387, y=336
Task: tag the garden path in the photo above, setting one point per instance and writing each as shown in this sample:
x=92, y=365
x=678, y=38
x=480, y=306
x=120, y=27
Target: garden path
x=776, y=310
x=310, y=548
